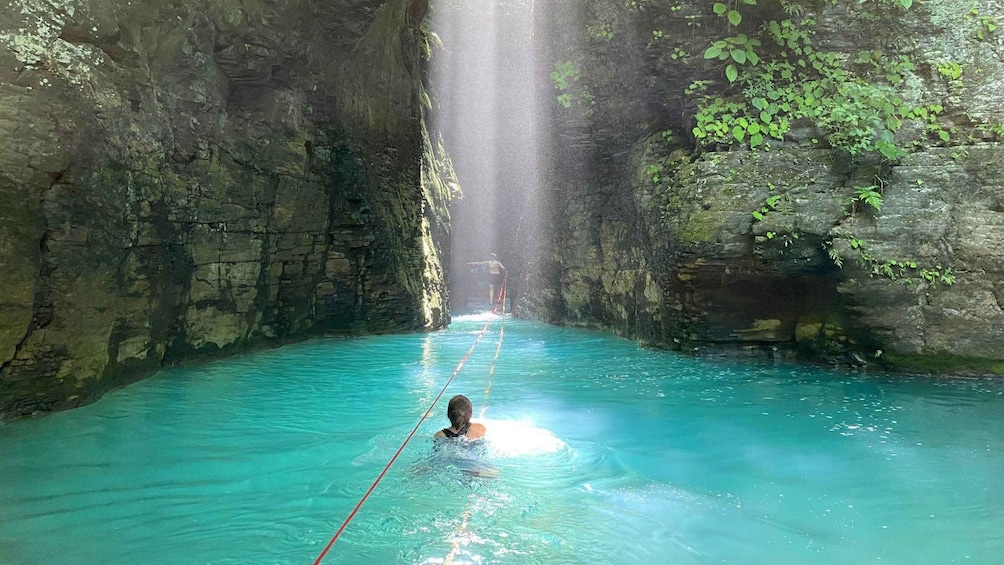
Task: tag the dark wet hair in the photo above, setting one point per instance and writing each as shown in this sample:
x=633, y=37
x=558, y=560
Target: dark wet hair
x=459, y=411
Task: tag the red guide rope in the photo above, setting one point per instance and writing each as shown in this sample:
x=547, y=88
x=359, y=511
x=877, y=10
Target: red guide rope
x=499, y=301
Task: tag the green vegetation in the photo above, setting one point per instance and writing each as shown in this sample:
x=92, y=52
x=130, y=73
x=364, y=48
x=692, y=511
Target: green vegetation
x=796, y=82
x=601, y=30
x=770, y=204
x=778, y=78
x=654, y=171
x=868, y=195
x=779, y=85
x=985, y=25
x=565, y=77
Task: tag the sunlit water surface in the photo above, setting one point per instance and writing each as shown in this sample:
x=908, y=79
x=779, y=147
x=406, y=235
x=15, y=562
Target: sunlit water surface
x=606, y=453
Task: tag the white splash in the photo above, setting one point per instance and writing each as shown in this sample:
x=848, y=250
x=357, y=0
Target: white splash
x=517, y=438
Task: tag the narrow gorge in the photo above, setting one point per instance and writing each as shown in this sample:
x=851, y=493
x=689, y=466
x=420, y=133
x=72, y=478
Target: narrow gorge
x=815, y=181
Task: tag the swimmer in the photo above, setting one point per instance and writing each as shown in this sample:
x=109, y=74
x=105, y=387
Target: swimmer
x=459, y=411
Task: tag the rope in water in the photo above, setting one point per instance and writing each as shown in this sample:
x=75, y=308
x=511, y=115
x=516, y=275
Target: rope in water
x=334, y=538
x=498, y=350
x=455, y=544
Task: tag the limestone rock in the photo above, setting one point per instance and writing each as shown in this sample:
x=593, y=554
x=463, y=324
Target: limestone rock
x=195, y=177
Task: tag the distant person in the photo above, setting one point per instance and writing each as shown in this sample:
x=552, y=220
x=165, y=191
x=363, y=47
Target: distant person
x=460, y=411
x=496, y=274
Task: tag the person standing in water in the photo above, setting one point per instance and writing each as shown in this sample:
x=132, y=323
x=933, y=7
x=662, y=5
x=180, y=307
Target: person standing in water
x=460, y=411
x=496, y=274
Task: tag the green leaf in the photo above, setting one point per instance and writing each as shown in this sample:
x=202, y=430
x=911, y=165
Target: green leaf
x=731, y=72
x=739, y=133
x=753, y=128
x=756, y=140
x=765, y=116
x=753, y=57
x=735, y=17
x=712, y=52
x=720, y=8
x=906, y=3
x=944, y=135
x=738, y=56
x=889, y=150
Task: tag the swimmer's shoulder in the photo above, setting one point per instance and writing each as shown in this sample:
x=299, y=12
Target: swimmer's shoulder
x=476, y=431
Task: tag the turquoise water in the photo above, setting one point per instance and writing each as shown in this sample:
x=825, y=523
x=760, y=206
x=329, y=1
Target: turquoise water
x=606, y=453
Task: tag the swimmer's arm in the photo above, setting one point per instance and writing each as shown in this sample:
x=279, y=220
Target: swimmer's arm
x=438, y=434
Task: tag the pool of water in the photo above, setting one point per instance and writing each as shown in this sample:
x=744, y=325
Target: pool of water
x=605, y=452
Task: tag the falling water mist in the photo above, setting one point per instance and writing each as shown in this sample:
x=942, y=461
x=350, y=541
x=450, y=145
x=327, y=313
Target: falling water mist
x=492, y=102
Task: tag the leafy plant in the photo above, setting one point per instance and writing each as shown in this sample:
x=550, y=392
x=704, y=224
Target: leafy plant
x=565, y=77
x=737, y=50
x=985, y=25
x=655, y=172
x=730, y=10
x=564, y=74
x=833, y=254
x=798, y=83
x=950, y=70
x=770, y=204
x=868, y=195
x=601, y=30
x=939, y=274
x=892, y=269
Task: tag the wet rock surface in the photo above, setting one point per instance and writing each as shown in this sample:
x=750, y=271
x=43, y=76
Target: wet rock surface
x=190, y=178
x=658, y=241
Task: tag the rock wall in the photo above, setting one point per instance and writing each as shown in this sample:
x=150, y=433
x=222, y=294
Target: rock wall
x=192, y=177
x=770, y=252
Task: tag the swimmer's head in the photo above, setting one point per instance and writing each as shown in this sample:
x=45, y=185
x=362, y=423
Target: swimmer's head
x=459, y=411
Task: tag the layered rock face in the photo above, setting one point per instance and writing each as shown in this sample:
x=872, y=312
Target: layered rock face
x=777, y=251
x=192, y=177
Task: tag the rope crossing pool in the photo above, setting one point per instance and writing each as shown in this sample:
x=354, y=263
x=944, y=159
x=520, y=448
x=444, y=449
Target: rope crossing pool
x=259, y=458
x=499, y=303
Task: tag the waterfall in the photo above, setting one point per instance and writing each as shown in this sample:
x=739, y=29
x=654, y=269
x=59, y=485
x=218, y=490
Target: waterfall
x=492, y=100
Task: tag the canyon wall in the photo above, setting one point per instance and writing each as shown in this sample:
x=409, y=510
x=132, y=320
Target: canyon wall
x=669, y=223
x=193, y=177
